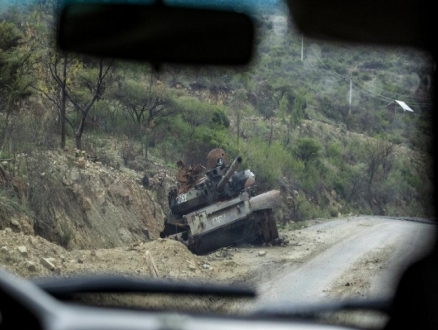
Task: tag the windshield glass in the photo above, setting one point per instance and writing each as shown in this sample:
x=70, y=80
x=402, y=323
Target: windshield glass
x=305, y=174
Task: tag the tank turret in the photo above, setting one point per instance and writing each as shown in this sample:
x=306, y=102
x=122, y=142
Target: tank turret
x=229, y=173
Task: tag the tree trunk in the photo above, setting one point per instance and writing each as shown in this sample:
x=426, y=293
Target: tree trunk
x=288, y=132
x=87, y=108
x=80, y=131
x=271, y=133
x=146, y=147
x=6, y=128
x=63, y=100
x=238, y=130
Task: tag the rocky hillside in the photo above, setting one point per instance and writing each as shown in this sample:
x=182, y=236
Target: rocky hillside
x=78, y=202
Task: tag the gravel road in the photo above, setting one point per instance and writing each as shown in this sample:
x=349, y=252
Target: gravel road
x=360, y=257
x=393, y=242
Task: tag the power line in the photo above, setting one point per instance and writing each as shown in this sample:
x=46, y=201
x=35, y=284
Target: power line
x=325, y=65
x=385, y=98
x=363, y=89
x=358, y=83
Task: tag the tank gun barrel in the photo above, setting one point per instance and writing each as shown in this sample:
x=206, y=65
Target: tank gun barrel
x=236, y=163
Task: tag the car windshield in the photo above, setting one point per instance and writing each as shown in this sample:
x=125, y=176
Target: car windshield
x=305, y=174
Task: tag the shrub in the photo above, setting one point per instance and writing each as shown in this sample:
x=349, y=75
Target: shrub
x=128, y=152
x=220, y=118
x=307, y=150
x=334, y=150
x=334, y=212
x=66, y=236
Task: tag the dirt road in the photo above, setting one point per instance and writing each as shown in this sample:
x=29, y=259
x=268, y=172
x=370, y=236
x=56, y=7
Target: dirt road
x=359, y=257
x=330, y=259
x=345, y=247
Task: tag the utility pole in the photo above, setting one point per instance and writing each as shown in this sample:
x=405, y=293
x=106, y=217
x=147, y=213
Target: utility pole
x=302, y=48
x=351, y=94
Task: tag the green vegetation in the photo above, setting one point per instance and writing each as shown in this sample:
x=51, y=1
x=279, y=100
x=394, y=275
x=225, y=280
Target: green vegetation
x=289, y=119
x=297, y=225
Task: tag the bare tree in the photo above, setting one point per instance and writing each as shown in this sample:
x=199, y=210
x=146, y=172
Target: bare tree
x=291, y=113
x=52, y=61
x=145, y=102
x=378, y=158
x=63, y=70
x=264, y=100
x=58, y=96
x=96, y=86
x=239, y=109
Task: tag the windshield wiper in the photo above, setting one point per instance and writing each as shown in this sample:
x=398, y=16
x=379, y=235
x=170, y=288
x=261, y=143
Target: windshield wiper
x=66, y=287
x=312, y=311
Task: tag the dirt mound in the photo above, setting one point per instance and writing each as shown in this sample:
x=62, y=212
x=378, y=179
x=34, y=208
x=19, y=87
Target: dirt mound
x=33, y=256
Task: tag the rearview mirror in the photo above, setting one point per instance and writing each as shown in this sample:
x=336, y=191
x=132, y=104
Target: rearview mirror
x=389, y=22
x=157, y=33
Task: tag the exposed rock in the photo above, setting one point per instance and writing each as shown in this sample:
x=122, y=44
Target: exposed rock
x=126, y=196
x=86, y=204
x=261, y=253
x=46, y=263
x=31, y=266
x=15, y=225
x=100, y=198
x=124, y=235
x=23, y=250
x=22, y=223
x=81, y=162
x=111, y=199
x=66, y=182
x=75, y=175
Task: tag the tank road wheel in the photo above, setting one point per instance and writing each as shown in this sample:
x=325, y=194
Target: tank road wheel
x=267, y=228
x=272, y=225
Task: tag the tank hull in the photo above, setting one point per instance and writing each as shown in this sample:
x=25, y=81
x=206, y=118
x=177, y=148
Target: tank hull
x=232, y=222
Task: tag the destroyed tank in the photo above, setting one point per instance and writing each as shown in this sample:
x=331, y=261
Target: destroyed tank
x=218, y=207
